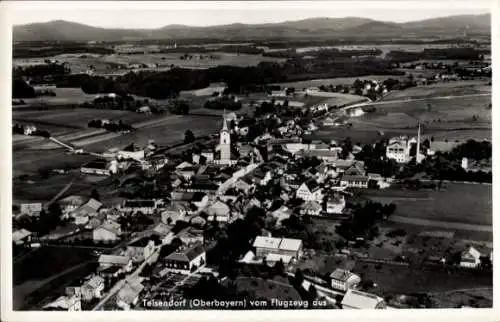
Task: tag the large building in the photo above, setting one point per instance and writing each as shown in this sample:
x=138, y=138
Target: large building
x=399, y=149
x=225, y=144
x=281, y=246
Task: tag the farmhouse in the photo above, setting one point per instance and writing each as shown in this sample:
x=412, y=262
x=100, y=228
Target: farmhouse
x=354, y=181
x=310, y=190
x=185, y=260
x=399, y=149
x=281, y=246
x=21, y=236
x=31, y=209
x=93, y=288
x=471, y=258
x=141, y=250
x=131, y=152
x=123, y=262
x=99, y=167
x=109, y=231
x=128, y=296
x=65, y=303
x=190, y=236
x=343, y=280
x=218, y=211
x=354, y=299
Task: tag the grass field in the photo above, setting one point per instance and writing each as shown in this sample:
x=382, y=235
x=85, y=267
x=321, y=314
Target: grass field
x=463, y=203
x=441, y=89
x=394, y=280
x=336, y=81
x=106, y=63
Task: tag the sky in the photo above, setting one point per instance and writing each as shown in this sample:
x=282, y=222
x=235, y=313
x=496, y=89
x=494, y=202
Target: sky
x=130, y=14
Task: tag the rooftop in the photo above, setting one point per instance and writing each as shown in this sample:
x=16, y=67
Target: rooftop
x=341, y=275
x=114, y=259
x=361, y=300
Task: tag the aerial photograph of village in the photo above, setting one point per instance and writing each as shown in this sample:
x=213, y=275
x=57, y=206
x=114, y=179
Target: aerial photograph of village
x=318, y=160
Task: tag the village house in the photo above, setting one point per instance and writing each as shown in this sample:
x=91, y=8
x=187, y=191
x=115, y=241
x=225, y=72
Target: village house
x=131, y=152
x=108, y=231
x=281, y=246
x=309, y=190
x=31, y=209
x=65, y=303
x=218, y=211
x=185, y=260
x=92, y=288
x=128, y=296
x=311, y=208
x=83, y=213
x=190, y=236
x=21, y=237
x=147, y=207
x=354, y=181
x=100, y=167
x=399, y=149
x=335, y=204
x=173, y=213
x=343, y=280
x=354, y=299
x=122, y=262
x=141, y=250
x=471, y=257
x=244, y=185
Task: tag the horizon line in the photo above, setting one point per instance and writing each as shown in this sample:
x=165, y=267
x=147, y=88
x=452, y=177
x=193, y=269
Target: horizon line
x=249, y=24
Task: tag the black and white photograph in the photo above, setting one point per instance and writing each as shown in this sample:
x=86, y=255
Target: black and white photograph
x=248, y=156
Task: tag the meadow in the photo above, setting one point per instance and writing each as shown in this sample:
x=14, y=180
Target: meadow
x=336, y=81
x=459, y=203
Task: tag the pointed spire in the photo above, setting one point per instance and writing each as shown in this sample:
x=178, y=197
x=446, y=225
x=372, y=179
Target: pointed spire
x=224, y=122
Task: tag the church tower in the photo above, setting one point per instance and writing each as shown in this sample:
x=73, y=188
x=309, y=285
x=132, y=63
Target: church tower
x=225, y=142
x=418, y=157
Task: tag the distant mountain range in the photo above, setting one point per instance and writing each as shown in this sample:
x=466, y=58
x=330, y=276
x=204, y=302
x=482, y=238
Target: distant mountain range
x=349, y=27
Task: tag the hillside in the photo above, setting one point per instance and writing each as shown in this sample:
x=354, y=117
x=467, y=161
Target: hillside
x=316, y=27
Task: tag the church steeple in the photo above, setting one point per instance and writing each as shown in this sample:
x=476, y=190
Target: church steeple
x=224, y=122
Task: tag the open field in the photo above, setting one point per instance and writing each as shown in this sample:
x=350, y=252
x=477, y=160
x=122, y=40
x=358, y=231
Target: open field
x=441, y=89
x=482, y=297
x=63, y=96
x=105, y=64
x=336, y=81
x=37, y=189
x=49, y=261
x=457, y=203
x=392, y=279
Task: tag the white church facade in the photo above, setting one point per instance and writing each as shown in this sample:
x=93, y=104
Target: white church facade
x=224, y=147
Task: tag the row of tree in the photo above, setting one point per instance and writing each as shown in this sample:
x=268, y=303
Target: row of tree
x=111, y=127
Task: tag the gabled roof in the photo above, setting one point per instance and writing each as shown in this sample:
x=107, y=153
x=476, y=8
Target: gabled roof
x=355, y=178
x=113, y=259
x=111, y=226
x=186, y=255
x=290, y=244
x=311, y=205
x=20, y=234
x=90, y=207
x=184, y=165
x=95, y=282
x=130, y=291
x=341, y=275
x=218, y=209
x=361, y=300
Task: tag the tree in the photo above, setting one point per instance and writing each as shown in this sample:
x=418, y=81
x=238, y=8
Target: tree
x=299, y=276
x=313, y=292
x=279, y=267
x=95, y=195
x=189, y=137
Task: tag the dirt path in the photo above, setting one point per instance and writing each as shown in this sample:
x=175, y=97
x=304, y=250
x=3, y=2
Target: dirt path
x=441, y=224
